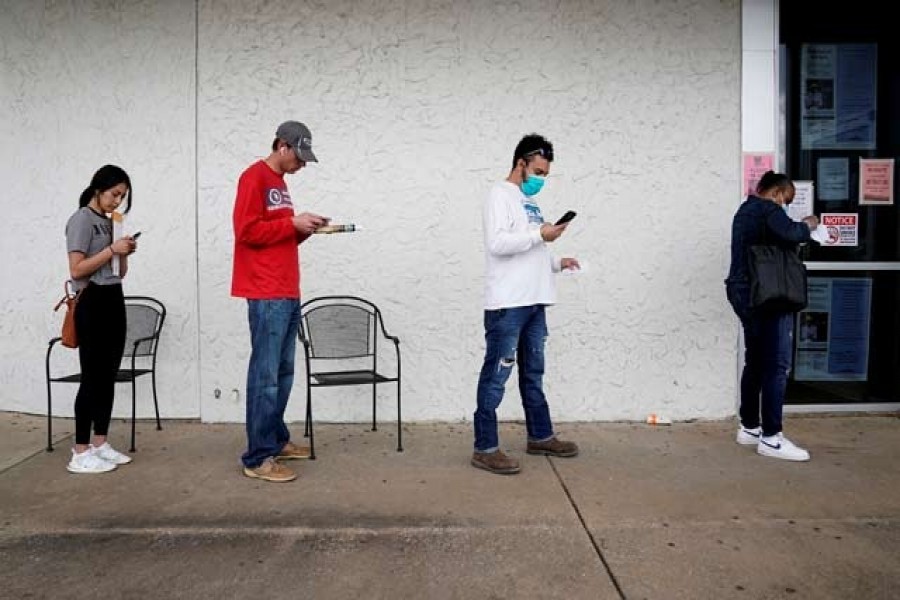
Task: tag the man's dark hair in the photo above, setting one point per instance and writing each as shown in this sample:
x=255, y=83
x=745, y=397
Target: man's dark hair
x=771, y=179
x=533, y=145
x=276, y=142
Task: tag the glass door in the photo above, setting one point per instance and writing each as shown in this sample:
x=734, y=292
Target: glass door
x=840, y=90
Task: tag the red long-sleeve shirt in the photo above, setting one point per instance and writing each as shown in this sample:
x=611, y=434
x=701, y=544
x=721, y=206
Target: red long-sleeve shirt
x=266, y=256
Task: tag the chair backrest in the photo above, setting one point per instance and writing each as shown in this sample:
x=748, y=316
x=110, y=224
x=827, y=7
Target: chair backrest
x=339, y=327
x=145, y=318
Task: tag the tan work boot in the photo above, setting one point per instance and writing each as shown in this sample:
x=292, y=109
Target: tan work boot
x=292, y=451
x=553, y=447
x=270, y=470
x=496, y=462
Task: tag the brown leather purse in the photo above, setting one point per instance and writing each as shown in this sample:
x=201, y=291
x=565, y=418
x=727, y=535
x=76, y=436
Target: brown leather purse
x=70, y=299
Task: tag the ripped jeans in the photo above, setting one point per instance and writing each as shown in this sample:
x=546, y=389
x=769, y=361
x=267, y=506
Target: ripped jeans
x=513, y=335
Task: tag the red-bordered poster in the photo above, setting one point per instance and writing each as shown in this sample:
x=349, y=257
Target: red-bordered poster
x=842, y=228
x=876, y=181
x=755, y=165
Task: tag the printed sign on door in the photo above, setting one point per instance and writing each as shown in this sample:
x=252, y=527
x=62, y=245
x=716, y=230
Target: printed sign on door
x=842, y=228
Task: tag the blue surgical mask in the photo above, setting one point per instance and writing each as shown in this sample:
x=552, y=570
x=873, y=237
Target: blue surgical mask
x=785, y=208
x=532, y=185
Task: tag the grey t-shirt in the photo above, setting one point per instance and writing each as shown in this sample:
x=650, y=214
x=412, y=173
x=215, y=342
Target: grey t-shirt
x=89, y=232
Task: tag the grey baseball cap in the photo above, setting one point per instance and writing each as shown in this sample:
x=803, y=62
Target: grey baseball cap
x=300, y=139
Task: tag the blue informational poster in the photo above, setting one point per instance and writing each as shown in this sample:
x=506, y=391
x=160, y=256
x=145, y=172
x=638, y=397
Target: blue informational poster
x=834, y=178
x=838, y=96
x=833, y=331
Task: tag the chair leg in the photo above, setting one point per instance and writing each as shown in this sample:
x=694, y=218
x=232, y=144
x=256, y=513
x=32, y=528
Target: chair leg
x=155, y=402
x=306, y=419
x=399, y=423
x=374, y=395
x=49, y=419
x=49, y=401
x=133, y=413
x=309, y=428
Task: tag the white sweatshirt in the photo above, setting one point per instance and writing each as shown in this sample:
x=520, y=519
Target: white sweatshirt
x=518, y=266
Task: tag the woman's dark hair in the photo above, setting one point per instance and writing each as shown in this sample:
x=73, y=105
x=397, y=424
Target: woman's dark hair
x=533, y=145
x=108, y=176
x=772, y=180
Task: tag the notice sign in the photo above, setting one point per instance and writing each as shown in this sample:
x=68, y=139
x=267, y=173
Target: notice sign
x=755, y=165
x=876, y=181
x=842, y=228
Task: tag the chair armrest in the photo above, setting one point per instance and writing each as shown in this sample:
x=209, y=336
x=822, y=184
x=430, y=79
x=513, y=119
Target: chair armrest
x=384, y=332
x=52, y=343
x=140, y=341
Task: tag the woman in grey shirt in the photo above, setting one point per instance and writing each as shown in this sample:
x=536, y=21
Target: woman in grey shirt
x=99, y=315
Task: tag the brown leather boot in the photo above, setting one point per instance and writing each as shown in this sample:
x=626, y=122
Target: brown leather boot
x=496, y=462
x=553, y=447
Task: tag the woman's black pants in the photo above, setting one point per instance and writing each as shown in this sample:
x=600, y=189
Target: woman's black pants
x=100, y=324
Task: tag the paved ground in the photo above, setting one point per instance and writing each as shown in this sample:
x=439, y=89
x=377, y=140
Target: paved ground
x=644, y=512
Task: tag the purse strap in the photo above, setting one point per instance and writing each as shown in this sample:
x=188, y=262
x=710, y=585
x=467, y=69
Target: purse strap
x=68, y=295
x=765, y=230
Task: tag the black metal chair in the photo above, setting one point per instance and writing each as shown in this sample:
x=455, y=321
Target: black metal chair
x=145, y=317
x=340, y=340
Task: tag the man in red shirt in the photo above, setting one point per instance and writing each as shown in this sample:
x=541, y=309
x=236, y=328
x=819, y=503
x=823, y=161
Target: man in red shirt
x=267, y=273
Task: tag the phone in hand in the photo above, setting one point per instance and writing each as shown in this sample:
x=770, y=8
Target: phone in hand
x=570, y=214
x=136, y=235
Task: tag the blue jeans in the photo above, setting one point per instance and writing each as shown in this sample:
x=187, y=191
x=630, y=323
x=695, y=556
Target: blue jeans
x=270, y=376
x=513, y=334
x=768, y=346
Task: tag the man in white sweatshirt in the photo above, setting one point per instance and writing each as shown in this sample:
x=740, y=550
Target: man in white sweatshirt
x=519, y=284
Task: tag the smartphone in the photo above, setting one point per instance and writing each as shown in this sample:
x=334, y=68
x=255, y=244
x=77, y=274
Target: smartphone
x=136, y=235
x=566, y=217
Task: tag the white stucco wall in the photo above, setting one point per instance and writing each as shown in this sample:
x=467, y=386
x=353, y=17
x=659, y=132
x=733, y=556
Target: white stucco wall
x=415, y=108
x=83, y=84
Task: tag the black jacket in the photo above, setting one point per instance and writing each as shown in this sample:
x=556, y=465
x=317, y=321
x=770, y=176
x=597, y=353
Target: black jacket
x=747, y=230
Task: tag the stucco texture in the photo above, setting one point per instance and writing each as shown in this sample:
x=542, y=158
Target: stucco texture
x=83, y=84
x=415, y=108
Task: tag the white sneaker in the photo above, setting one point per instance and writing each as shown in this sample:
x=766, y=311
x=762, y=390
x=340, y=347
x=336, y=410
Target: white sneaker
x=778, y=446
x=110, y=454
x=748, y=437
x=88, y=462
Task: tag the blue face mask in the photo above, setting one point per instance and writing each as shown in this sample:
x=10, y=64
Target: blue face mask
x=532, y=185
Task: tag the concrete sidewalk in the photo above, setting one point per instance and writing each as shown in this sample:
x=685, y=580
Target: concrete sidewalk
x=643, y=512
